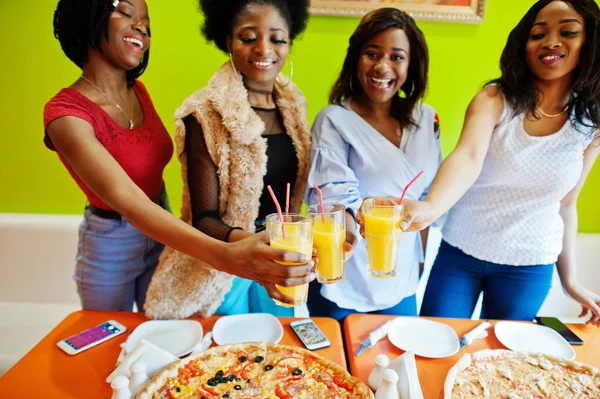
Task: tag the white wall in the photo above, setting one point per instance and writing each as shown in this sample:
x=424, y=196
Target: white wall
x=37, y=257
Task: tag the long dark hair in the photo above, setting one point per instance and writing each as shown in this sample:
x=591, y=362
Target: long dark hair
x=374, y=22
x=517, y=83
x=81, y=24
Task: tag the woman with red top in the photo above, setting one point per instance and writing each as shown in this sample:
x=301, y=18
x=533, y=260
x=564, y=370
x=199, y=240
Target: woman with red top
x=111, y=140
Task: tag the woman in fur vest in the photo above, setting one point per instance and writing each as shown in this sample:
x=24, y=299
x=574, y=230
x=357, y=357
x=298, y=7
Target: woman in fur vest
x=243, y=132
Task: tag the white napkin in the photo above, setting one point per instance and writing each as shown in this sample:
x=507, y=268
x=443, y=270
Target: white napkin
x=408, y=384
x=155, y=358
x=204, y=343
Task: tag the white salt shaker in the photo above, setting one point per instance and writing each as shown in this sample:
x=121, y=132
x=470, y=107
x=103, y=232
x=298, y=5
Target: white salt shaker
x=388, y=389
x=381, y=363
x=120, y=386
x=139, y=378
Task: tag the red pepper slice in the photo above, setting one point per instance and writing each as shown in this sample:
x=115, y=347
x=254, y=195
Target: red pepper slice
x=308, y=360
x=210, y=390
x=282, y=393
x=330, y=384
x=295, y=377
x=194, y=368
x=285, y=358
x=243, y=371
x=184, y=376
x=342, y=383
x=206, y=394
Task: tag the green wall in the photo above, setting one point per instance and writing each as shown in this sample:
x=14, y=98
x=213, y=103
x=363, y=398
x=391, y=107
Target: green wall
x=33, y=69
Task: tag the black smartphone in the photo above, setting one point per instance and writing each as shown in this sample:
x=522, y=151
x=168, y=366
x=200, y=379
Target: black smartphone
x=560, y=328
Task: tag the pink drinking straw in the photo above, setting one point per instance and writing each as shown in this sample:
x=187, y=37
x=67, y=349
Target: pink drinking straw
x=287, y=201
x=408, y=185
x=320, y=201
x=278, y=209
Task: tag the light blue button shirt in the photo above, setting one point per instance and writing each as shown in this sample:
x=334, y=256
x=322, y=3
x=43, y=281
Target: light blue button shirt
x=350, y=161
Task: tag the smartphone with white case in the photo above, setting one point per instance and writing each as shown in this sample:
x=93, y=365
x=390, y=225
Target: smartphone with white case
x=310, y=335
x=92, y=337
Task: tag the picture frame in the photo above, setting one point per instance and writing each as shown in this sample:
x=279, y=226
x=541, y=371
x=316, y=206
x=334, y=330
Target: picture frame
x=461, y=11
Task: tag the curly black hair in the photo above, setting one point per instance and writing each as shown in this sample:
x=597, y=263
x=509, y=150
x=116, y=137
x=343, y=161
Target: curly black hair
x=517, y=83
x=81, y=24
x=220, y=17
x=414, y=88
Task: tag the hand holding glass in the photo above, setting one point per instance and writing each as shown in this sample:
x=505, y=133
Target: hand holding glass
x=382, y=230
x=294, y=234
x=329, y=236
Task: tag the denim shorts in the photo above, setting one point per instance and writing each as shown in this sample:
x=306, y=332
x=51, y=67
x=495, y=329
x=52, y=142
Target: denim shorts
x=115, y=263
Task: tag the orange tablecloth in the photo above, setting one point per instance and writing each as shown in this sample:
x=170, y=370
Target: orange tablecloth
x=47, y=372
x=432, y=372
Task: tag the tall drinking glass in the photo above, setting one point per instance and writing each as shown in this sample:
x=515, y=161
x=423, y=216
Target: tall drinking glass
x=294, y=234
x=382, y=230
x=329, y=235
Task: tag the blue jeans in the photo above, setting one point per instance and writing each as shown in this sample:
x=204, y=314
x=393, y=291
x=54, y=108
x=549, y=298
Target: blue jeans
x=115, y=263
x=509, y=292
x=319, y=306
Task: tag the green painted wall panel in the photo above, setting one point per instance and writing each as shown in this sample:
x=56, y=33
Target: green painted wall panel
x=33, y=69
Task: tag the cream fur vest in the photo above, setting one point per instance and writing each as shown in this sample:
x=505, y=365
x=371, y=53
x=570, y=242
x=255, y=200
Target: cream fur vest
x=183, y=286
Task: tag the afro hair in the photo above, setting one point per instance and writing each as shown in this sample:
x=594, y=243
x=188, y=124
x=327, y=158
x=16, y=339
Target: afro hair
x=220, y=16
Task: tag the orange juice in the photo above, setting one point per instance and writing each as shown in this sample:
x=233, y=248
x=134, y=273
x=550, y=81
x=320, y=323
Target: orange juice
x=328, y=239
x=299, y=244
x=382, y=230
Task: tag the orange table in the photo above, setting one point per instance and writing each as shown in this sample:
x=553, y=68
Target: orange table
x=47, y=372
x=432, y=372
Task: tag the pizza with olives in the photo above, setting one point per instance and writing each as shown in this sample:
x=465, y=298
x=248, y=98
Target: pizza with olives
x=517, y=375
x=255, y=371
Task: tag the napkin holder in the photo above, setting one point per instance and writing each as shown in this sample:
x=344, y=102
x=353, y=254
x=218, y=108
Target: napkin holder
x=408, y=383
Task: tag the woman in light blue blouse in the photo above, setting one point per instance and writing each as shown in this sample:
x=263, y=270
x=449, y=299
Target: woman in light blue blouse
x=371, y=141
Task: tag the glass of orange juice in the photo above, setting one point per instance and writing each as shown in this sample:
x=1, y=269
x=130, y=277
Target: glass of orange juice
x=294, y=234
x=382, y=230
x=329, y=235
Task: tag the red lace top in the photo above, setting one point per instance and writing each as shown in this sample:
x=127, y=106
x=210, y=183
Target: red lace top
x=142, y=152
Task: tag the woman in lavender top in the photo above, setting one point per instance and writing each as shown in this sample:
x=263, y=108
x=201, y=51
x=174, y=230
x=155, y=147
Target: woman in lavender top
x=371, y=141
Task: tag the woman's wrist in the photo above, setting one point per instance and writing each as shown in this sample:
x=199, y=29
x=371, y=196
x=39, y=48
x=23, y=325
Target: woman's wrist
x=216, y=254
x=569, y=285
x=434, y=210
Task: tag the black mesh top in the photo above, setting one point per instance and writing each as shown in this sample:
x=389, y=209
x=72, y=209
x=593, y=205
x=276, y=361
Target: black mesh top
x=203, y=181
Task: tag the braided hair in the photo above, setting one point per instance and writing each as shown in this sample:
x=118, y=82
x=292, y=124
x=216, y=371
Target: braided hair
x=82, y=24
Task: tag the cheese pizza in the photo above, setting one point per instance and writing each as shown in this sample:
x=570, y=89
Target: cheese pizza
x=255, y=371
x=515, y=375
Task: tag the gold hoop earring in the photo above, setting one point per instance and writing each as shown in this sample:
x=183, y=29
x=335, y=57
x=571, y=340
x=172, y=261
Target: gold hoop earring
x=291, y=73
x=412, y=89
x=237, y=75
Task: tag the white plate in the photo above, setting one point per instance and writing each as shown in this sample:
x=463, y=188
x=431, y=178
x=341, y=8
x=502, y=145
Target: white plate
x=423, y=337
x=253, y=327
x=527, y=337
x=178, y=337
